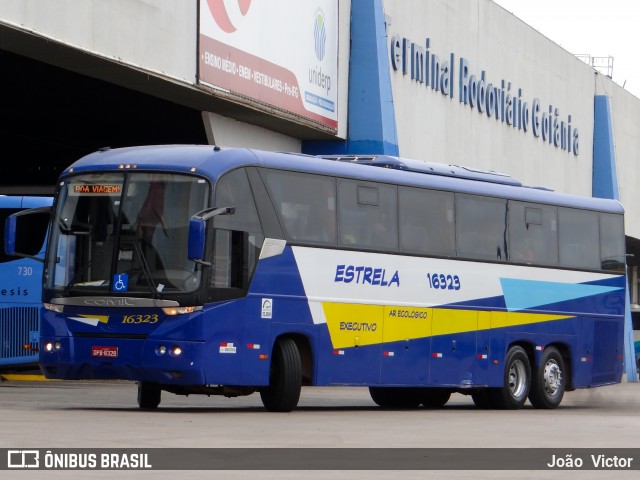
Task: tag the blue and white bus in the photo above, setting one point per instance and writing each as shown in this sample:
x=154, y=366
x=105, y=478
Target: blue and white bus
x=21, y=289
x=199, y=269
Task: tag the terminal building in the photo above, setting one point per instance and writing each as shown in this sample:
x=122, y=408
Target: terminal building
x=448, y=81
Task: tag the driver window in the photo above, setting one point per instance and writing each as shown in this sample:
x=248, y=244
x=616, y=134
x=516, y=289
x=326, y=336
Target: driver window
x=237, y=238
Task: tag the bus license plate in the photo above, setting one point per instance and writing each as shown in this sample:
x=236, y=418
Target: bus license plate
x=104, y=352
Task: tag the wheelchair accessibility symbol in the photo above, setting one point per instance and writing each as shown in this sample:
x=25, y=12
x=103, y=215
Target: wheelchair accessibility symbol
x=120, y=282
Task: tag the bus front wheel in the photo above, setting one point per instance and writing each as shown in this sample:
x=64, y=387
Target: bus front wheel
x=548, y=385
x=285, y=378
x=516, y=381
x=434, y=397
x=148, y=395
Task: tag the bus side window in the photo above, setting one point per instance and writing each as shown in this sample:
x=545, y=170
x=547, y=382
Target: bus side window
x=481, y=227
x=306, y=205
x=367, y=215
x=579, y=238
x=612, y=248
x=235, y=254
x=533, y=233
x=427, y=223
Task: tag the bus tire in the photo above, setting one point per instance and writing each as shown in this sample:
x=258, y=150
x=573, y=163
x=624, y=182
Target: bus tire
x=548, y=384
x=148, y=395
x=395, y=397
x=434, y=397
x=516, y=382
x=285, y=378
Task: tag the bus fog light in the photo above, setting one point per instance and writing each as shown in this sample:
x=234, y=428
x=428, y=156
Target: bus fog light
x=176, y=351
x=161, y=350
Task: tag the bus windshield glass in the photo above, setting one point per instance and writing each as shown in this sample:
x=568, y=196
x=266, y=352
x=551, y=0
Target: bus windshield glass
x=125, y=232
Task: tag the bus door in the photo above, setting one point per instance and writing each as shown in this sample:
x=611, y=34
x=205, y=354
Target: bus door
x=356, y=336
x=406, y=346
x=453, y=347
x=599, y=361
x=488, y=344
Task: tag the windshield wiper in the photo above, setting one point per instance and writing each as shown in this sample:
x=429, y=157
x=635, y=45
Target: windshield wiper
x=76, y=277
x=71, y=229
x=146, y=270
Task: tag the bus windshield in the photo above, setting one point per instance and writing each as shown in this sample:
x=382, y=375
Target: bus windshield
x=125, y=232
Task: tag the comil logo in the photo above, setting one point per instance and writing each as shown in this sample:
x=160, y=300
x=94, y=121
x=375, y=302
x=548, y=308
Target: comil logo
x=227, y=13
x=320, y=34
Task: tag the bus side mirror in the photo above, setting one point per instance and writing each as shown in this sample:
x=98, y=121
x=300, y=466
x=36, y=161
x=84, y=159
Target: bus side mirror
x=10, y=236
x=197, y=231
x=196, y=239
x=25, y=233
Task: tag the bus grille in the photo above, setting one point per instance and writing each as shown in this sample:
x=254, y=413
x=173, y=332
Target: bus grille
x=605, y=353
x=18, y=330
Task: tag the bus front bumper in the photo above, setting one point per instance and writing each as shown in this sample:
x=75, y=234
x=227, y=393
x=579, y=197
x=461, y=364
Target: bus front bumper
x=167, y=362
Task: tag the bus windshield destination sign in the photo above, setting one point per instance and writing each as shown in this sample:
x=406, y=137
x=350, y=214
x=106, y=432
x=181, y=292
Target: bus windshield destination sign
x=96, y=189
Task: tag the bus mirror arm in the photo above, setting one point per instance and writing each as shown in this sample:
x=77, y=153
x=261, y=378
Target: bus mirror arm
x=208, y=213
x=197, y=229
x=201, y=262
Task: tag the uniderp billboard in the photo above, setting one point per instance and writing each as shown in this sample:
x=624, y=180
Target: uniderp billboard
x=279, y=53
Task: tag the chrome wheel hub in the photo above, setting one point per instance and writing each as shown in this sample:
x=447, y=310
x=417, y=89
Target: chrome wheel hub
x=552, y=378
x=518, y=379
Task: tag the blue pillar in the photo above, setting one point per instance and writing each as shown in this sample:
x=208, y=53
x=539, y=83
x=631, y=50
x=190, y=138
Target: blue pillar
x=605, y=178
x=605, y=185
x=371, y=118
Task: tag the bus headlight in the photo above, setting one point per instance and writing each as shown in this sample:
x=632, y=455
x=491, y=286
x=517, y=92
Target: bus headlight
x=51, y=346
x=172, y=311
x=53, y=307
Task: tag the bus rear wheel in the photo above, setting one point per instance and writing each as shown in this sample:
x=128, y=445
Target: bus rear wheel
x=398, y=397
x=148, y=395
x=548, y=385
x=516, y=381
x=285, y=378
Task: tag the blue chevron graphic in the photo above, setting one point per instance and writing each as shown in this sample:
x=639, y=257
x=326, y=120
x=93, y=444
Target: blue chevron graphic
x=524, y=294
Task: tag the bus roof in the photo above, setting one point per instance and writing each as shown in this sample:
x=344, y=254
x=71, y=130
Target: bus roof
x=24, y=201
x=213, y=161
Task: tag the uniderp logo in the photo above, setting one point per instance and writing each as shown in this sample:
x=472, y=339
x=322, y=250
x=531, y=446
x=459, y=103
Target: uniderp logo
x=320, y=34
x=226, y=13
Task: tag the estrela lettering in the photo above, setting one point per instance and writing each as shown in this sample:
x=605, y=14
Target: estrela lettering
x=364, y=275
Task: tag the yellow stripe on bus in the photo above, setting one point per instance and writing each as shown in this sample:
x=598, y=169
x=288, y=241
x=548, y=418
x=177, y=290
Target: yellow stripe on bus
x=354, y=325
